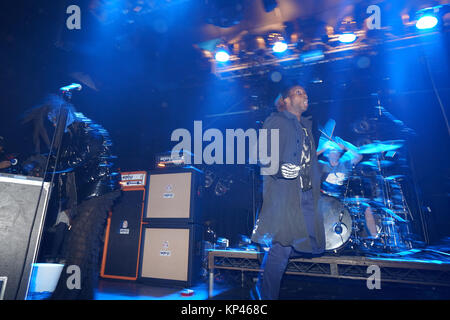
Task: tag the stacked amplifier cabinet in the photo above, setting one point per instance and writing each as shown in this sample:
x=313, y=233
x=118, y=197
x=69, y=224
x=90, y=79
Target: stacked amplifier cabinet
x=172, y=234
x=23, y=204
x=123, y=230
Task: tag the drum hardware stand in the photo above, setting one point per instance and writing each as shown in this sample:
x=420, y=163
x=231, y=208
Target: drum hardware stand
x=387, y=191
x=408, y=132
x=390, y=226
x=405, y=211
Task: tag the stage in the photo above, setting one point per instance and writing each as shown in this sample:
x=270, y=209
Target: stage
x=160, y=131
x=409, y=270
x=418, y=274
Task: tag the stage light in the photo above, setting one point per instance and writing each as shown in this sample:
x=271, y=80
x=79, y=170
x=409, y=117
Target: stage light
x=222, y=56
x=222, y=51
x=297, y=41
x=312, y=56
x=345, y=30
x=277, y=42
x=347, y=37
x=426, y=22
x=279, y=47
x=428, y=18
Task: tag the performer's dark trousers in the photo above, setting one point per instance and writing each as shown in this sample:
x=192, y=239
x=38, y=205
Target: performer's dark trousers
x=276, y=259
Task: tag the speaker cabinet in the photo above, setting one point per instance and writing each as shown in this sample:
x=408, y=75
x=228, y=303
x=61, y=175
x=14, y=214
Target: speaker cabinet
x=171, y=255
x=23, y=204
x=122, y=238
x=123, y=230
x=173, y=196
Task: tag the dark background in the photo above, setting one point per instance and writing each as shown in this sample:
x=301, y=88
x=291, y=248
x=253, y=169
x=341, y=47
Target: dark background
x=150, y=82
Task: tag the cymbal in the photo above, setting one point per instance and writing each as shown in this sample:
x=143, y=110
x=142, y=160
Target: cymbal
x=374, y=164
x=382, y=146
x=394, y=177
x=357, y=177
x=107, y=157
x=393, y=215
x=107, y=164
x=356, y=199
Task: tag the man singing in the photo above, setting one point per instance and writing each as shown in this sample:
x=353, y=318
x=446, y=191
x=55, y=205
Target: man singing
x=289, y=221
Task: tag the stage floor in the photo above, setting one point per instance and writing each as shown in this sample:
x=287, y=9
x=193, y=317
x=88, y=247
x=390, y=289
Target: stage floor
x=412, y=275
x=229, y=287
x=109, y=289
x=130, y=290
x=292, y=288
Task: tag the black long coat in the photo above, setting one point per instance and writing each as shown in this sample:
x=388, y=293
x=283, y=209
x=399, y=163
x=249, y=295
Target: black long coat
x=281, y=219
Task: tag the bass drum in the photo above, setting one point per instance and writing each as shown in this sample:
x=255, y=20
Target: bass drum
x=338, y=223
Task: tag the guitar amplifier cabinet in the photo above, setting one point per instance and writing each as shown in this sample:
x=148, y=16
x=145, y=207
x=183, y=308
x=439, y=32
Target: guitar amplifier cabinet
x=23, y=205
x=123, y=231
x=171, y=255
x=173, y=196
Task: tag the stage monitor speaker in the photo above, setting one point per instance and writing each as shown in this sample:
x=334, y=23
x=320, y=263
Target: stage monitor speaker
x=173, y=196
x=21, y=224
x=171, y=255
x=123, y=230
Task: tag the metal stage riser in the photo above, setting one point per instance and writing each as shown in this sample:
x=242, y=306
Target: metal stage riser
x=428, y=273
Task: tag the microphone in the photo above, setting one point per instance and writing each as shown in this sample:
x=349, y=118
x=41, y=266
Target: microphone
x=71, y=87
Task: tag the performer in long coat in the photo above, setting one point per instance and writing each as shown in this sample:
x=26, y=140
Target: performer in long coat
x=289, y=221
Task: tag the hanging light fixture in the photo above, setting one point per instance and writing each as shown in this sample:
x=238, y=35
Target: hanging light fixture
x=428, y=18
x=347, y=28
x=277, y=42
x=222, y=53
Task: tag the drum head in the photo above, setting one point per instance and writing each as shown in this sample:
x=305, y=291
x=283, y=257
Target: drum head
x=337, y=222
x=358, y=187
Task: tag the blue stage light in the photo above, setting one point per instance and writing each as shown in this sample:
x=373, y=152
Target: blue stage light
x=279, y=46
x=222, y=56
x=311, y=56
x=426, y=22
x=347, y=37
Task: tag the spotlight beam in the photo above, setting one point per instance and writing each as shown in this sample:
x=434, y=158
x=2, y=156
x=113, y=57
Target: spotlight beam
x=426, y=22
x=222, y=56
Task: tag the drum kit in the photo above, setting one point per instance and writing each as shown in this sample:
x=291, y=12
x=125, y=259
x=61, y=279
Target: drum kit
x=371, y=216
